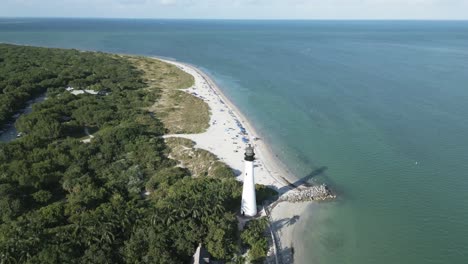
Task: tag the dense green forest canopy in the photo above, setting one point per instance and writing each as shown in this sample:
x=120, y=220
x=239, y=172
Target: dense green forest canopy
x=26, y=72
x=65, y=201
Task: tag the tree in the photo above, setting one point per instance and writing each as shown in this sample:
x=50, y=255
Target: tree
x=253, y=237
x=65, y=201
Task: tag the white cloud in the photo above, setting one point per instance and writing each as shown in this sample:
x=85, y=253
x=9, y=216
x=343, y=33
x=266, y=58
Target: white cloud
x=168, y=2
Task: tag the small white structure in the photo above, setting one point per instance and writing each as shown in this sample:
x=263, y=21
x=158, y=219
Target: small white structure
x=82, y=91
x=249, y=201
x=201, y=256
x=77, y=92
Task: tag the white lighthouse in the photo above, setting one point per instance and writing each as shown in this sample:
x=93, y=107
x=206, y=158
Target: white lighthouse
x=249, y=202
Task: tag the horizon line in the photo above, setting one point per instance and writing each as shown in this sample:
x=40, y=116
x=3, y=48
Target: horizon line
x=241, y=19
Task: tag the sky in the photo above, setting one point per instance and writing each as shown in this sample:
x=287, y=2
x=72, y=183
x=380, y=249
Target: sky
x=239, y=9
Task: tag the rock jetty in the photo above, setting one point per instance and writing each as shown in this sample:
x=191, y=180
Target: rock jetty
x=305, y=194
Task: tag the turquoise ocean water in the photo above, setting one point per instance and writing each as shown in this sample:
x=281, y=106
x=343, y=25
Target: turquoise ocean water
x=381, y=106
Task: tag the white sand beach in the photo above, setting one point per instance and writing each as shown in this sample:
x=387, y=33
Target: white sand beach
x=225, y=139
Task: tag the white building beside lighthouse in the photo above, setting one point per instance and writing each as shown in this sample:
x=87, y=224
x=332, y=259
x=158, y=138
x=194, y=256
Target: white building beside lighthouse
x=249, y=201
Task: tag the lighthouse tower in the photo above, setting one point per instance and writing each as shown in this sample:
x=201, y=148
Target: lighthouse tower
x=249, y=202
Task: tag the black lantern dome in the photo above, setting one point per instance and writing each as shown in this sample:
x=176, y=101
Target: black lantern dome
x=249, y=153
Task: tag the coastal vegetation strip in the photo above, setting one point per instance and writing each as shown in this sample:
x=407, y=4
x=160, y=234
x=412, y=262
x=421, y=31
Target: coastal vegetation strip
x=182, y=113
x=64, y=201
x=200, y=162
x=161, y=75
x=179, y=111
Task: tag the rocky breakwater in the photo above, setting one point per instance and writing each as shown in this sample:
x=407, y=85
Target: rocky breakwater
x=305, y=194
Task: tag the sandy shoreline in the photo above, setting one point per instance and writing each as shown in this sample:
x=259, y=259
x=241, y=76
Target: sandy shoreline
x=224, y=139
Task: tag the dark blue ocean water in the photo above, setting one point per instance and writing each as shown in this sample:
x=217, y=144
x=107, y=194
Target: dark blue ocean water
x=381, y=105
